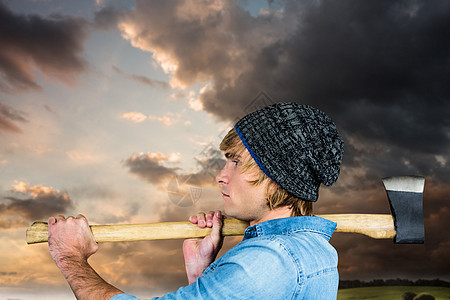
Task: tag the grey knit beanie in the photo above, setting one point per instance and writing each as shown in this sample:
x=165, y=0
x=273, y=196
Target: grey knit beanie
x=296, y=145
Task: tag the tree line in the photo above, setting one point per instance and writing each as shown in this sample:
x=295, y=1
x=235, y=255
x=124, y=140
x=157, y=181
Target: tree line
x=348, y=284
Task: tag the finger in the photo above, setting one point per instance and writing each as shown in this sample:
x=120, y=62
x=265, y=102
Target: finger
x=51, y=221
x=201, y=219
x=193, y=219
x=209, y=219
x=59, y=218
x=84, y=220
x=81, y=217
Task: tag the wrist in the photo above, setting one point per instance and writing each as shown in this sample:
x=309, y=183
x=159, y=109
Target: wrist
x=195, y=270
x=68, y=264
x=85, y=283
x=192, y=277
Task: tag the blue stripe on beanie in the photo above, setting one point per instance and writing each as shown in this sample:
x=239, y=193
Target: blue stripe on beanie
x=251, y=152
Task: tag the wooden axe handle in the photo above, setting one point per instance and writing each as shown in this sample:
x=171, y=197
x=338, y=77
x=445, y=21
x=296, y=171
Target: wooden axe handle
x=38, y=231
x=374, y=226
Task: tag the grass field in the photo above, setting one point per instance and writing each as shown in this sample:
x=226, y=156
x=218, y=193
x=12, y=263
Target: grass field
x=392, y=292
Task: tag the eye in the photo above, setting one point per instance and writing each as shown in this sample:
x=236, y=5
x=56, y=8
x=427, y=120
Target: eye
x=236, y=162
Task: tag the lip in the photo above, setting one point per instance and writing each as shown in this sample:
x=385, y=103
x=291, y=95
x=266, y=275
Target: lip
x=225, y=195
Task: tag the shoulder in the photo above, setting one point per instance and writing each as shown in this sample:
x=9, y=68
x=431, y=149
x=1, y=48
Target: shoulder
x=258, y=267
x=298, y=253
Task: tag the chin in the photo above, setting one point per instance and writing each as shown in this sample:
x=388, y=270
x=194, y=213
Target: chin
x=230, y=212
x=235, y=214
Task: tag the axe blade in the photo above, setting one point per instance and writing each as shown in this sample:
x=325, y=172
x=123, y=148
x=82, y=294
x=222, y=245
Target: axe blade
x=405, y=195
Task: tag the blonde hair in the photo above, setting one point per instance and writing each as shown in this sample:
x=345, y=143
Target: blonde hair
x=276, y=196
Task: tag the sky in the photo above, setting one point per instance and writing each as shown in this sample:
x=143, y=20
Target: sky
x=115, y=109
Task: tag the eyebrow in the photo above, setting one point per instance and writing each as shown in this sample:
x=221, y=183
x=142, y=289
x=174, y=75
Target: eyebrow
x=230, y=155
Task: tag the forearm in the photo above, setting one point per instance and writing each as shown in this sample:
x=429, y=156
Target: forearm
x=71, y=243
x=195, y=271
x=85, y=283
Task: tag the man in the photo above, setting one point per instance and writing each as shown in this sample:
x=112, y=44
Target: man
x=276, y=159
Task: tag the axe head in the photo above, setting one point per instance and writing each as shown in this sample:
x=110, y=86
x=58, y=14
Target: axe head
x=405, y=195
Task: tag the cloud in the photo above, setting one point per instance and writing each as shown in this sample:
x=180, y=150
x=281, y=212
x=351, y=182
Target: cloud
x=52, y=45
x=148, y=166
x=134, y=116
x=138, y=117
x=143, y=79
x=168, y=119
x=202, y=43
x=8, y=117
x=30, y=203
x=107, y=17
x=183, y=189
x=203, y=46
x=100, y=2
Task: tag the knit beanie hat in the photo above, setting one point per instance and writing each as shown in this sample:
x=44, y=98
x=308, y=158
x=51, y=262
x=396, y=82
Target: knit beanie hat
x=296, y=145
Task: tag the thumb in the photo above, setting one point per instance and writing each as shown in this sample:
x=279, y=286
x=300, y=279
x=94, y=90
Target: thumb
x=216, y=232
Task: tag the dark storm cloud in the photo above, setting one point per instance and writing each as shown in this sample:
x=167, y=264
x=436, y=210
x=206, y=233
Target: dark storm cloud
x=379, y=68
x=9, y=117
x=143, y=79
x=340, y=54
x=53, y=45
x=31, y=203
x=148, y=166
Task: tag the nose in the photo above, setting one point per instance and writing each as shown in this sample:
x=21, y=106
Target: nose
x=222, y=177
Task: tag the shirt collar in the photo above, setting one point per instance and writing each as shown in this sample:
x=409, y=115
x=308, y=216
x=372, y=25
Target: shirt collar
x=291, y=225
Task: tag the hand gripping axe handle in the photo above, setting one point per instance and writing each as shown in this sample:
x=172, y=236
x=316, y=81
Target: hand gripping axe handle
x=405, y=224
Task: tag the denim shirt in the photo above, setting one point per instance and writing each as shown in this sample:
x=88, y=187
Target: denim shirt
x=287, y=258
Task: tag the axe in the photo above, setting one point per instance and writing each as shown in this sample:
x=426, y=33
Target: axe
x=405, y=224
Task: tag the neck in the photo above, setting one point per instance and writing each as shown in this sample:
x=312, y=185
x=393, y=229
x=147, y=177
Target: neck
x=277, y=213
